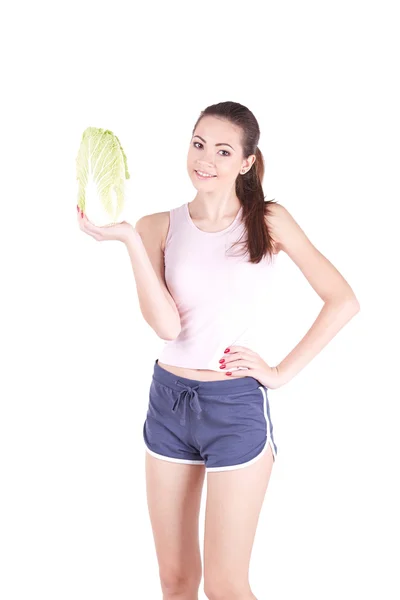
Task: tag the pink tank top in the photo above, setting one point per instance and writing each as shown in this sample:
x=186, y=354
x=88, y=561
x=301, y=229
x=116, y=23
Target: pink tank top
x=218, y=292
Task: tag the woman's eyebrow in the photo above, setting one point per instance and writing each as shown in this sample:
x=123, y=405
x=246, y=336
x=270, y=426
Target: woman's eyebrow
x=221, y=144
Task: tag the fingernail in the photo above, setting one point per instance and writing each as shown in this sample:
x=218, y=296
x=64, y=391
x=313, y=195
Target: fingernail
x=222, y=366
x=227, y=350
x=81, y=213
x=228, y=373
x=222, y=360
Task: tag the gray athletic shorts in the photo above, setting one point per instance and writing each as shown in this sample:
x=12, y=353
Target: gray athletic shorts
x=224, y=424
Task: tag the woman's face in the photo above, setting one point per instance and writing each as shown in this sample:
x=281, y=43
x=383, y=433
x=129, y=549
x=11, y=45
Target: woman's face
x=215, y=149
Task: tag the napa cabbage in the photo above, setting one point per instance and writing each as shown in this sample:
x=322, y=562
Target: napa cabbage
x=101, y=171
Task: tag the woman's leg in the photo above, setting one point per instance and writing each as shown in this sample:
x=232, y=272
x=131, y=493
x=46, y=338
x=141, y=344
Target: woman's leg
x=234, y=501
x=173, y=497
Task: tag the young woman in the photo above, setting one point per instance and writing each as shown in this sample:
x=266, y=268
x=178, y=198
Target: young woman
x=201, y=271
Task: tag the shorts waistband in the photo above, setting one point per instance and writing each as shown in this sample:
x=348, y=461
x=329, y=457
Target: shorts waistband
x=222, y=387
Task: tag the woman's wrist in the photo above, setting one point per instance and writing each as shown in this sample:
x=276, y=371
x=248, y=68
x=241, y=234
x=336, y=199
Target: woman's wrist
x=132, y=237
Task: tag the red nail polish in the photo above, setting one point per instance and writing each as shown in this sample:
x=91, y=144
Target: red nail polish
x=222, y=366
x=81, y=213
x=227, y=350
x=228, y=373
x=222, y=360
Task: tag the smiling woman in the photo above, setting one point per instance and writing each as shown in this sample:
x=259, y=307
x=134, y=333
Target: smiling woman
x=208, y=404
x=203, y=271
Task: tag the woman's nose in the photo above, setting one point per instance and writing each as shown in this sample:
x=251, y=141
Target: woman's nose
x=207, y=164
x=207, y=159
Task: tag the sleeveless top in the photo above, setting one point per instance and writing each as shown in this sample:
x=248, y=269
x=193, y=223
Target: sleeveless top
x=219, y=294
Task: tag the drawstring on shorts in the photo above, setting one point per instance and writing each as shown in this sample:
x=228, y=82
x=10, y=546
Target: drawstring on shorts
x=190, y=394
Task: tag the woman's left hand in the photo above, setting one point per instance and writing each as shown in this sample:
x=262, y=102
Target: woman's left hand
x=239, y=356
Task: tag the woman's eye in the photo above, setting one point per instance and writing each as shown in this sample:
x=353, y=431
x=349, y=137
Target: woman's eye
x=227, y=153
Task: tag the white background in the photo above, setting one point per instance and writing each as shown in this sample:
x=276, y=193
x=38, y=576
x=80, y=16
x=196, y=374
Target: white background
x=77, y=356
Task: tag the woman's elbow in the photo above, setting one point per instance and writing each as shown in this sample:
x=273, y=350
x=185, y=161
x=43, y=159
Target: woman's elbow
x=169, y=331
x=169, y=336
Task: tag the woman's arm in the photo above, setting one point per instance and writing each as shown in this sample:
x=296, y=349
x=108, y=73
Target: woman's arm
x=145, y=251
x=340, y=302
x=332, y=317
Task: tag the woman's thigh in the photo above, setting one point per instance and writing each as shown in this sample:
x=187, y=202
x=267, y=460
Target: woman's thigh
x=233, y=506
x=173, y=497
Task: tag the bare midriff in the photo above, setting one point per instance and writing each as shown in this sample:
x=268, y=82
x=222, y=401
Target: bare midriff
x=199, y=374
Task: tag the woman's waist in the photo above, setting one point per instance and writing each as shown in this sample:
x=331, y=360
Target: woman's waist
x=198, y=374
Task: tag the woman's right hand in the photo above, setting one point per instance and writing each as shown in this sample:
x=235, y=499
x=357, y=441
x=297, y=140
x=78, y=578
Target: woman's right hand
x=118, y=231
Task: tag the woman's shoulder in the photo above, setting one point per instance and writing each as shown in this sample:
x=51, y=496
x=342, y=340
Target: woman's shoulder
x=275, y=214
x=282, y=225
x=157, y=225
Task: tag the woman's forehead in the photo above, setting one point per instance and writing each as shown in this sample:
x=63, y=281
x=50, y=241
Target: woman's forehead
x=212, y=128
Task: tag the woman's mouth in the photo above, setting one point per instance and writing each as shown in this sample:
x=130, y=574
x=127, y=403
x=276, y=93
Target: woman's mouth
x=202, y=175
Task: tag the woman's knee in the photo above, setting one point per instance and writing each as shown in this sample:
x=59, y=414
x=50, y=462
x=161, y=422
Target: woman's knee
x=177, y=584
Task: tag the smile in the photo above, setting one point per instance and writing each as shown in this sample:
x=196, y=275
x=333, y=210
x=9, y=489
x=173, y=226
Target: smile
x=203, y=175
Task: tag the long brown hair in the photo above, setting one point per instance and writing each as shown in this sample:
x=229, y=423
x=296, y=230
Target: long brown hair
x=248, y=186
